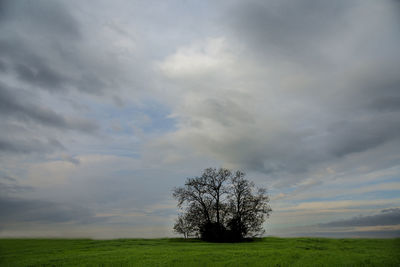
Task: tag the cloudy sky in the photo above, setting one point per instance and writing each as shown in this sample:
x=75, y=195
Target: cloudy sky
x=105, y=106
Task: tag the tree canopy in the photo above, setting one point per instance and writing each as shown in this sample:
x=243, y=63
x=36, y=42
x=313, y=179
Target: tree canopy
x=221, y=205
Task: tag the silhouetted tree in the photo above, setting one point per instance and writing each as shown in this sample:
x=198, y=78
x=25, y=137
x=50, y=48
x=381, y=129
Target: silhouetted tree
x=221, y=206
x=249, y=207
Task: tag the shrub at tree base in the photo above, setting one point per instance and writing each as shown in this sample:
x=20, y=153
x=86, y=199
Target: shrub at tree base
x=221, y=206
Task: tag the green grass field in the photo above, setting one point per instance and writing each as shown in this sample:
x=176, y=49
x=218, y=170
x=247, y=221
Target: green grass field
x=177, y=252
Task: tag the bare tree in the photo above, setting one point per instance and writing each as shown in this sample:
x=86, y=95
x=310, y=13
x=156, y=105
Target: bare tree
x=195, y=193
x=184, y=225
x=214, y=183
x=249, y=207
x=221, y=205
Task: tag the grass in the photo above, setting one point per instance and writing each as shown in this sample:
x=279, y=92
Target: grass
x=178, y=252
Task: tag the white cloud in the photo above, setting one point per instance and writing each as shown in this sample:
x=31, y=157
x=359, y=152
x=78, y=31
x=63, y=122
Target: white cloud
x=203, y=58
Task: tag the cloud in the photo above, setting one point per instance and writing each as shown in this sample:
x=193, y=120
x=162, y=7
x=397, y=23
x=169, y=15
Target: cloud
x=23, y=120
x=13, y=210
x=58, y=70
x=292, y=30
x=44, y=16
x=203, y=58
x=109, y=106
x=15, y=105
x=386, y=217
x=49, y=45
x=24, y=146
x=71, y=159
x=385, y=224
x=41, y=75
x=357, y=135
x=24, y=52
x=9, y=185
x=37, y=71
x=286, y=89
x=338, y=205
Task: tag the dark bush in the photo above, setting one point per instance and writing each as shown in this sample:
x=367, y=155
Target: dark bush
x=213, y=232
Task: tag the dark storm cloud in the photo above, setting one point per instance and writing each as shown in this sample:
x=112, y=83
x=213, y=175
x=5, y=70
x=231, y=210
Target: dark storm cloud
x=386, y=103
x=386, y=217
x=41, y=75
x=25, y=22
x=384, y=92
x=361, y=134
x=41, y=43
x=28, y=145
x=9, y=185
x=30, y=66
x=3, y=67
x=294, y=29
x=16, y=106
x=45, y=17
x=42, y=61
x=355, y=103
x=13, y=210
x=370, y=110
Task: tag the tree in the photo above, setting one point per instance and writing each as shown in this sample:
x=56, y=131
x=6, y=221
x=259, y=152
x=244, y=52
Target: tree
x=221, y=205
x=185, y=226
x=249, y=207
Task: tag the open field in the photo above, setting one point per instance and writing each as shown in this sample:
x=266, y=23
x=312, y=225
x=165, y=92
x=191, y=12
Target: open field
x=177, y=252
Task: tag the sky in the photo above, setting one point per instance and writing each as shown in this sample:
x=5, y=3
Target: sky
x=106, y=106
